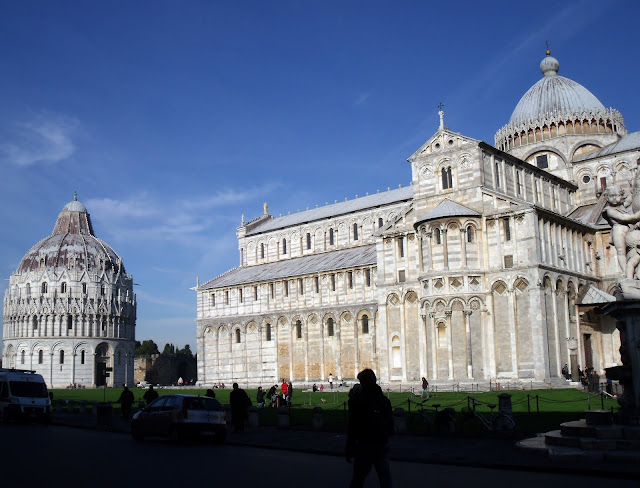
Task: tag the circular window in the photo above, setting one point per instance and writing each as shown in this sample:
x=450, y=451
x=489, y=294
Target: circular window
x=437, y=145
x=586, y=179
x=451, y=142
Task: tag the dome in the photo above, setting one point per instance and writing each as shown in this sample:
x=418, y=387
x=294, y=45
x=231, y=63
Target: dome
x=72, y=245
x=554, y=94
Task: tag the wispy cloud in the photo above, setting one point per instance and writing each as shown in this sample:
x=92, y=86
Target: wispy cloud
x=142, y=296
x=362, y=97
x=46, y=138
x=187, y=222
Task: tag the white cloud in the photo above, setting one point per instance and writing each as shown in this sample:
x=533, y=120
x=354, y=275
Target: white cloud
x=186, y=222
x=362, y=97
x=44, y=139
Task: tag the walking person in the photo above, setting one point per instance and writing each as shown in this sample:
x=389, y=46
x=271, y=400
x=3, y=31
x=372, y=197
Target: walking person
x=289, y=393
x=331, y=380
x=260, y=397
x=425, y=388
x=150, y=395
x=240, y=404
x=369, y=428
x=126, y=401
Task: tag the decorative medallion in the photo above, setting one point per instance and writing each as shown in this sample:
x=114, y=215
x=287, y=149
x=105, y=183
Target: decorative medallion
x=426, y=171
x=464, y=161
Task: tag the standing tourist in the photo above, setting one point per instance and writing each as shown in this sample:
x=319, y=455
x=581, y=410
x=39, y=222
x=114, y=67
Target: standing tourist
x=331, y=380
x=425, y=388
x=150, y=395
x=126, y=401
x=240, y=404
x=368, y=431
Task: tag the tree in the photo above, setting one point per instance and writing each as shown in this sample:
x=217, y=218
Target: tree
x=169, y=349
x=146, y=348
x=186, y=351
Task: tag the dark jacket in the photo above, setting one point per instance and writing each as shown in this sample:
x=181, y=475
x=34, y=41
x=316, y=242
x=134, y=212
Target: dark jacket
x=239, y=401
x=370, y=418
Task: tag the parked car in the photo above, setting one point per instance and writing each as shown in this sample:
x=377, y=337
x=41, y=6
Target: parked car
x=23, y=395
x=181, y=416
x=143, y=384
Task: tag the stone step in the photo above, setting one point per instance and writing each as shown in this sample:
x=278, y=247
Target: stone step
x=589, y=443
x=580, y=428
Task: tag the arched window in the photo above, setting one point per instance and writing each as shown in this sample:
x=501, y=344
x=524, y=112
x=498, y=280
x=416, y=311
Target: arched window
x=63, y=287
x=84, y=288
x=284, y=246
x=35, y=323
x=442, y=335
x=22, y=357
x=355, y=231
x=238, y=336
x=82, y=357
x=470, y=233
x=330, y=330
x=396, y=356
x=497, y=173
x=331, y=237
x=365, y=324
x=438, y=236
x=61, y=357
x=44, y=287
x=261, y=250
x=40, y=356
x=69, y=322
x=447, y=178
x=308, y=240
x=299, y=329
x=268, y=332
x=102, y=289
x=28, y=290
x=380, y=222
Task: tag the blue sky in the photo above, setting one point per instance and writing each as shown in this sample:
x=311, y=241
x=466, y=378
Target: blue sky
x=172, y=119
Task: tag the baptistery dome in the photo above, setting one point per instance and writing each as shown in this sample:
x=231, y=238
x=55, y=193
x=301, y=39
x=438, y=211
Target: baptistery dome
x=70, y=310
x=72, y=244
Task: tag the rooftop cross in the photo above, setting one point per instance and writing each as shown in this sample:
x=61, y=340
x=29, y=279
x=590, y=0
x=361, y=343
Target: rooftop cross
x=441, y=114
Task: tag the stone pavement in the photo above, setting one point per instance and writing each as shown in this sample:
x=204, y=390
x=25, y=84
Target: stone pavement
x=476, y=452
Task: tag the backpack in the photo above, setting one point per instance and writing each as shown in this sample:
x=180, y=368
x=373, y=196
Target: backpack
x=376, y=420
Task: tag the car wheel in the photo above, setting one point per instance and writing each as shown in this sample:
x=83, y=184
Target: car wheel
x=174, y=434
x=136, y=432
x=221, y=436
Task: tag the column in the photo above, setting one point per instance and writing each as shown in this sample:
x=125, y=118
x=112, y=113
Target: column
x=467, y=327
x=450, y=342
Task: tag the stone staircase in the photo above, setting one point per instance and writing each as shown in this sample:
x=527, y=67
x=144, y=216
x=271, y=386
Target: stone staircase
x=594, y=437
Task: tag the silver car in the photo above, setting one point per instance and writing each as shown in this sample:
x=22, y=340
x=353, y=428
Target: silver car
x=181, y=416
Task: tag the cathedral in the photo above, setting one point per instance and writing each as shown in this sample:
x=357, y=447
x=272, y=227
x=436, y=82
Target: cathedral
x=69, y=310
x=492, y=265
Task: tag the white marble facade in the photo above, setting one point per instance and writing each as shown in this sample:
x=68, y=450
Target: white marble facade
x=491, y=265
x=69, y=310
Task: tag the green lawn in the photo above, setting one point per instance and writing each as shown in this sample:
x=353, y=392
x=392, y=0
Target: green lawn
x=533, y=410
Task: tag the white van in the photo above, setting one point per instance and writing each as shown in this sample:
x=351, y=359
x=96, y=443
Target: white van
x=23, y=395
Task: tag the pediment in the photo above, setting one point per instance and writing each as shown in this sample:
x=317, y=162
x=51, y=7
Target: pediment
x=442, y=142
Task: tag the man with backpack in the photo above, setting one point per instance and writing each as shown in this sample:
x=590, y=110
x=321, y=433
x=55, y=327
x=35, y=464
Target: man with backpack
x=368, y=431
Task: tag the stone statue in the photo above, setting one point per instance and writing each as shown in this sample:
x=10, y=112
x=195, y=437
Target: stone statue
x=623, y=214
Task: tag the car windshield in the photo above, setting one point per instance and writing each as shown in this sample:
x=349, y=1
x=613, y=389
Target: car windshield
x=28, y=389
x=202, y=403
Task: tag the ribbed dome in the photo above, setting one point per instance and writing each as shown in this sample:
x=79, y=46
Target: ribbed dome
x=554, y=94
x=72, y=245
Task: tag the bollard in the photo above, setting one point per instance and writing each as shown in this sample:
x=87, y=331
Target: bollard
x=283, y=417
x=318, y=418
x=253, y=416
x=399, y=421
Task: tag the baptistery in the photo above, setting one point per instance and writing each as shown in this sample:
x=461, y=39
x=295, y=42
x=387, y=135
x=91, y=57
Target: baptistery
x=70, y=310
